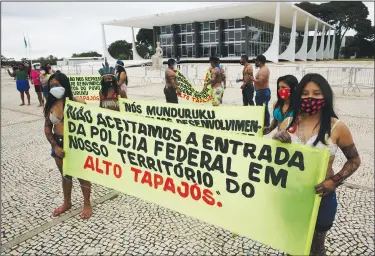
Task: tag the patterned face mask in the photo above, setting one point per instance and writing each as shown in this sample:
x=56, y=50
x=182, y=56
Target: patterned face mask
x=284, y=93
x=311, y=105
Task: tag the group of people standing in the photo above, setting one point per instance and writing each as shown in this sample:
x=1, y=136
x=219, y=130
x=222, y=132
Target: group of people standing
x=24, y=75
x=303, y=113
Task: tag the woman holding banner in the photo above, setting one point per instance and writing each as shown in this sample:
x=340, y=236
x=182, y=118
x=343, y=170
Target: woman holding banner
x=110, y=90
x=283, y=107
x=122, y=77
x=59, y=89
x=315, y=123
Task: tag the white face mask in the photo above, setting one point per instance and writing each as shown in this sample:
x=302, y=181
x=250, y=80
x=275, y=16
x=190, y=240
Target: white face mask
x=37, y=67
x=57, y=91
x=42, y=72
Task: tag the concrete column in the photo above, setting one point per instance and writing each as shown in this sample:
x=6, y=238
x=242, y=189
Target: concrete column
x=175, y=52
x=272, y=53
x=311, y=55
x=290, y=51
x=105, y=48
x=326, y=50
x=221, y=37
x=197, y=39
x=319, y=54
x=246, y=20
x=332, y=51
x=134, y=48
x=302, y=53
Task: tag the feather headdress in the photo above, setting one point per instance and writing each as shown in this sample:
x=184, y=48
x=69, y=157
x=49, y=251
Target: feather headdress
x=106, y=69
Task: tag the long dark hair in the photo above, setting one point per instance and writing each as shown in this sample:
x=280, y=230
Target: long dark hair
x=292, y=82
x=104, y=89
x=327, y=111
x=64, y=81
x=119, y=70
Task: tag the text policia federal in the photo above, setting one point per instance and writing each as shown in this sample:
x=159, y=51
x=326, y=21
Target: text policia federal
x=131, y=139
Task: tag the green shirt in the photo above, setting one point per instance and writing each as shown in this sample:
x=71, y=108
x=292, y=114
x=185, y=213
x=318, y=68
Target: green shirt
x=21, y=74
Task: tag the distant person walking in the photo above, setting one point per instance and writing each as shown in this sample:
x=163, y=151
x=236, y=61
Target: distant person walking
x=34, y=78
x=22, y=82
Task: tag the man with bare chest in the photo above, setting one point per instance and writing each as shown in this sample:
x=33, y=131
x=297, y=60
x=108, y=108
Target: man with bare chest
x=171, y=87
x=261, y=82
x=247, y=85
x=216, y=82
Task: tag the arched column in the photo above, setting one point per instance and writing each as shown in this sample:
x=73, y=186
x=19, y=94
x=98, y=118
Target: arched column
x=319, y=54
x=311, y=55
x=272, y=53
x=302, y=53
x=290, y=51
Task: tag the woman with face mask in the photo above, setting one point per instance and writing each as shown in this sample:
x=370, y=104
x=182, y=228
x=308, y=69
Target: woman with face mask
x=109, y=91
x=58, y=90
x=314, y=123
x=45, y=74
x=283, y=106
x=34, y=77
x=122, y=77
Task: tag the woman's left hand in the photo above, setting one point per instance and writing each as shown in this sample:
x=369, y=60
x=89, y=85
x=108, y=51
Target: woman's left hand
x=325, y=187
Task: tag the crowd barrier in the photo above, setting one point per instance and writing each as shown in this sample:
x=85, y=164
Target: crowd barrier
x=349, y=79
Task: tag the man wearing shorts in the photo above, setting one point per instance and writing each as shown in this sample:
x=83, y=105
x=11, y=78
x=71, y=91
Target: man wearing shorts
x=34, y=77
x=171, y=86
x=263, y=92
x=216, y=82
x=247, y=85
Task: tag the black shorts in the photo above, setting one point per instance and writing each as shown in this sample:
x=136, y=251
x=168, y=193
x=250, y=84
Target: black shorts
x=171, y=95
x=38, y=88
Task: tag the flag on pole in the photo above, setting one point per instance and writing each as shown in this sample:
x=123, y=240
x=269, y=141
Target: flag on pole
x=24, y=39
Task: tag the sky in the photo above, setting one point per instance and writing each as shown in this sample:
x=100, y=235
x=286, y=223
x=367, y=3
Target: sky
x=63, y=28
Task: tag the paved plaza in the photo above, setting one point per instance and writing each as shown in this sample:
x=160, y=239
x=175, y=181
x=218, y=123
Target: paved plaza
x=122, y=224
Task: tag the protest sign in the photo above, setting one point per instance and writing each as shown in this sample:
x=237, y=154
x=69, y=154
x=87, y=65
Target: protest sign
x=189, y=93
x=239, y=119
x=86, y=87
x=255, y=187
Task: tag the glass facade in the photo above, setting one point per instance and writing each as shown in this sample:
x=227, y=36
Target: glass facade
x=223, y=38
x=260, y=36
x=284, y=38
x=166, y=41
x=208, y=39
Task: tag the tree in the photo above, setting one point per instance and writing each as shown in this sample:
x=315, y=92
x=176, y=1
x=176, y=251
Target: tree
x=86, y=54
x=144, y=51
x=342, y=15
x=145, y=36
x=120, y=48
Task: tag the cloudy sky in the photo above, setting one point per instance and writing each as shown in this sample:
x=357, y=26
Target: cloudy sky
x=64, y=28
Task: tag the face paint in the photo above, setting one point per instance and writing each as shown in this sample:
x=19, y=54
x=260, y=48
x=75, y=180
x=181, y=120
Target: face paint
x=310, y=106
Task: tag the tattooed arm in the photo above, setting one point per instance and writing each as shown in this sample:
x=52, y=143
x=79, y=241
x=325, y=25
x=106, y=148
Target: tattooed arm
x=345, y=142
x=48, y=132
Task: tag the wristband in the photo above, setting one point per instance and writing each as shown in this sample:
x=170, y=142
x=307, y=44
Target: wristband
x=337, y=179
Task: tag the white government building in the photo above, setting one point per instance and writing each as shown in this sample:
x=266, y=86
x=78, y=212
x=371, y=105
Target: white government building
x=278, y=30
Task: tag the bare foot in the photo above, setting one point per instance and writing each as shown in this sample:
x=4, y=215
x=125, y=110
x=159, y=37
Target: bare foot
x=23, y=104
x=86, y=212
x=63, y=208
x=40, y=105
x=28, y=104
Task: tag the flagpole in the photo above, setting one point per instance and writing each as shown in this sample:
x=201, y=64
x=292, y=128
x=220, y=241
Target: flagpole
x=31, y=60
x=24, y=40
